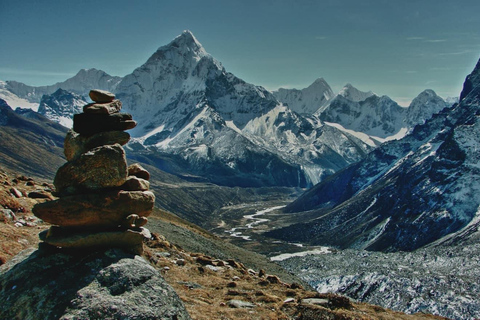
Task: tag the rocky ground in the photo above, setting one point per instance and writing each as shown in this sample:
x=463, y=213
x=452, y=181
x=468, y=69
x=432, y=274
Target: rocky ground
x=441, y=280
x=19, y=228
x=214, y=279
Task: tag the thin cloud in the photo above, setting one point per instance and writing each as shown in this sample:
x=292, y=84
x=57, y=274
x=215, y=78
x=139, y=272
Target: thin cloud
x=455, y=53
x=34, y=72
x=320, y=38
x=423, y=39
x=436, y=40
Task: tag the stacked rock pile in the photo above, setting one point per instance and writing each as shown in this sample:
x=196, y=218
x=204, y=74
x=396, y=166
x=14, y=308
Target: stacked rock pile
x=102, y=202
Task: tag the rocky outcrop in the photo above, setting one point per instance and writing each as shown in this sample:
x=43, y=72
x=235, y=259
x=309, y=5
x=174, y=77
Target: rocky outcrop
x=102, y=285
x=101, y=204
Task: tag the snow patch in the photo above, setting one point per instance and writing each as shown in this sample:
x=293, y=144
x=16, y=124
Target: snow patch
x=285, y=256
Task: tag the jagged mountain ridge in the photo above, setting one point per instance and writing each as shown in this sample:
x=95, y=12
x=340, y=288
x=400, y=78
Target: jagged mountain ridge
x=191, y=107
x=423, y=106
x=180, y=79
x=375, y=116
x=379, y=117
x=169, y=96
x=81, y=84
x=308, y=100
x=60, y=106
x=320, y=149
x=407, y=193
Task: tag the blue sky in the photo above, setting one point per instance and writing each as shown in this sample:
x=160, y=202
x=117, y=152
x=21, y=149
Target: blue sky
x=396, y=48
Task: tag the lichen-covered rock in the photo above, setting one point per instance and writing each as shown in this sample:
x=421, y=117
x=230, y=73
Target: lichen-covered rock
x=102, y=167
x=100, y=285
x=95, y=210
x=138, y=171
x=75, y=144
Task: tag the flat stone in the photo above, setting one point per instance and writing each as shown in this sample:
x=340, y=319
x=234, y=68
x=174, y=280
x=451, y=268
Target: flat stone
x=289, y=300
x=135, y=184
x=88, y=124
x=40, y=194
x=138, y=171
x=96, y=210
x=103, y=108
x=16, y=193
x=76, y=144
x=102, y=167
x=101, y=96
x=129, y=240
x=316, y=301
x=234, y=303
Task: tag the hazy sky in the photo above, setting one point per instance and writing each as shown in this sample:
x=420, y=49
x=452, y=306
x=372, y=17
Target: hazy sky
x=393, y=47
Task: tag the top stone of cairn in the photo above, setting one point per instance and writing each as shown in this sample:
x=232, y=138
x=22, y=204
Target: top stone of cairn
x=101, y=96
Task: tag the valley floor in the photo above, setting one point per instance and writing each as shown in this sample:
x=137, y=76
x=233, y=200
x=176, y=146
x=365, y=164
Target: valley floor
x=211, y=276
x=437, y=280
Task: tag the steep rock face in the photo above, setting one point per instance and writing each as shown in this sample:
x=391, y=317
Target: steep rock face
x=307, y=100
x=320, y=149
x=61, y=106
x=375, y=116
x=210, y=147
x=81, y=84
x=193, y=109
x=351, y=93
x=405, y=194
x=113, y=284
x=423, y=107
x=471, y=82
x=179, y=79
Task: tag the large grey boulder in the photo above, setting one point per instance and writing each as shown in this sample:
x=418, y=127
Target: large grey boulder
x=101, y=285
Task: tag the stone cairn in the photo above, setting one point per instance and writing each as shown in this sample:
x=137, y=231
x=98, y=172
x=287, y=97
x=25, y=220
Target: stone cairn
x=102, y=202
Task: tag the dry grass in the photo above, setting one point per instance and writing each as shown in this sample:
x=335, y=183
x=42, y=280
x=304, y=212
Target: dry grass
x=206, y=284
x=15, y=237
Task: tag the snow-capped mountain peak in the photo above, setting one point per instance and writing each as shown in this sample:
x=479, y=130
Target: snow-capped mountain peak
x=182, y=75
x=187, y=41
x=307, y=100
x=351, y=93
x=423, y=107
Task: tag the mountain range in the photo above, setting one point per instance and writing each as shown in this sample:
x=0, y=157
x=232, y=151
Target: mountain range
x=199, y=121
x=407, y=193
